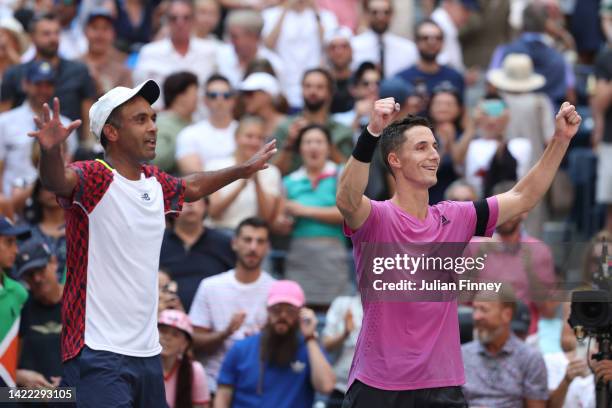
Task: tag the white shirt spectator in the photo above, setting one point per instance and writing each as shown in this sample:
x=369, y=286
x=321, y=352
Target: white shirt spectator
x=159, y=59
x=334, y=326
x=16, y=146
x=581, y=392
x=231, y=69
x=451, y=53
x=208, y=142
x=245, y=204
x=400, y=53
x=481, y=151
x=298, y=45
x=216, y=300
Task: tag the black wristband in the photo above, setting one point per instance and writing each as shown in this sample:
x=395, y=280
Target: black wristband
x=366, y=144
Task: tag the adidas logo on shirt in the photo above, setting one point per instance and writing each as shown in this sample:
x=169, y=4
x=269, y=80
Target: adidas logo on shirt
x=444, y=220
x=145, y=197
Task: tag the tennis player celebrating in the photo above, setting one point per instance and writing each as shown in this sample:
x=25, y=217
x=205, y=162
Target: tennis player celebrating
x=408, y=353
x=114, y=227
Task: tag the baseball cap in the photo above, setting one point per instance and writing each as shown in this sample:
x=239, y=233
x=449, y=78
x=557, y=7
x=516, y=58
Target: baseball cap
x=261, y=81
x=7, y=228
x=397, y=88
x=339, y=33
x=100, y=12
x=33, y=253
x=286, y=291
x=40, y=71
x=101, y=110
x=470, y=4
x=177, y=319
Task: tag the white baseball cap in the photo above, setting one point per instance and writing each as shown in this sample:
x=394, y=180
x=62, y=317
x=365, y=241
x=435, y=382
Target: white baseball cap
x=339, y=33
x=261, y=81
x=100, y=111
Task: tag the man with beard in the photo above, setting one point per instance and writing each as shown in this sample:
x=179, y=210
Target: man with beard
x=317, y=90
x=74, y=86
x=282, y=366
x=391, y=52
x=429, y=39
x=232, y=305
x=500, y=369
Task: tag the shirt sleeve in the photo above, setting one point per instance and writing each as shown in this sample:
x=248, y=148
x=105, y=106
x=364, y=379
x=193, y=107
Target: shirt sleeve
x=485, y=214
x=200, y=312
x=173, y=189
x=93, y=179
x=229, y=369
x=364, y=232
x=200, y=393
x=535, y=383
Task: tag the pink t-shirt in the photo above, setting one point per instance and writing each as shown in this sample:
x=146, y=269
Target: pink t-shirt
x=412, y=345
x=199, y=389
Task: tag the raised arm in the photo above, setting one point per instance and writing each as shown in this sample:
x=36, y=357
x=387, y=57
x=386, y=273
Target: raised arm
x=353, y=205
x=51, y=135
x=531, y=188
x=207, y=182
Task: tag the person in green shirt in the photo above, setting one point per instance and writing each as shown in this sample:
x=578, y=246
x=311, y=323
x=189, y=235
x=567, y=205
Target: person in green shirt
x=12, y=297
x=180, y=92
x=317, y=91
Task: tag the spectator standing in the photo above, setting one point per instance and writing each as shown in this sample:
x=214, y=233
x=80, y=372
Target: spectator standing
x=74, y=84
x=192, y=251
x=339, y=57
x=232, y=305
x=427, y=71
x=295, y=31
x=317, y=258
x=213, y=138
x=500, y=369
x=452, y=16
x=244, y=28
x=105, y=63
x=342, y=326
x=184, y=379
x=392, y=53
x=180, y=98
x=602, y=113
x=40, y=362
x=16, y=166
x=283, y=365
x=182, y=51
x=12, y=298
x=317, y=90
x=259, y=196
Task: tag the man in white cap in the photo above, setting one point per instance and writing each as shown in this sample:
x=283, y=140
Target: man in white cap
x=114, y=226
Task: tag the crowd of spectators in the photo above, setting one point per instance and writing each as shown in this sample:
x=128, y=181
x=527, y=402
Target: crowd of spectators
x=254, y=272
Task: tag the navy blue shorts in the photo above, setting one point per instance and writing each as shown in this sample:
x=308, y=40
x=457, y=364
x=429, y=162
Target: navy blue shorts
x=104, y=379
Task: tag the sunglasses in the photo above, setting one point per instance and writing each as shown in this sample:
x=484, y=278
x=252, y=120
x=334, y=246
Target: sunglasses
x=215, y=95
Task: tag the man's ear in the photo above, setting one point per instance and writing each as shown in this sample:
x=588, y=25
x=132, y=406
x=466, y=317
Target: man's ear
x=394, y=160
x=110, y=132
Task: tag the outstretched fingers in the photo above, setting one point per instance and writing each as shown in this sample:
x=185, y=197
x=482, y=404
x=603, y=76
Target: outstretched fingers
x=56, y=108
x=73, y=126
x=46, y=115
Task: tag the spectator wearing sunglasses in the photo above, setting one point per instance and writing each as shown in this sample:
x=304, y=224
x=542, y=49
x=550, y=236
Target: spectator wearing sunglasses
x=213, y=138
x=428, y=71
x=181, y=51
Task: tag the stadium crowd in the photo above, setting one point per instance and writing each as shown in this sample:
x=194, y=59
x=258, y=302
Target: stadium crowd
x=251, y=274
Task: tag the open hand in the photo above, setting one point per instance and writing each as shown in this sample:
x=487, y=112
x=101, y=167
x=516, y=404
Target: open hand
x=384, y=112
x=51, y=132
x=567, y=122
x=259, y=161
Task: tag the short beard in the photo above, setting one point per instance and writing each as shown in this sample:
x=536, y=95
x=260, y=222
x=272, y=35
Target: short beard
x=47, y=53
x=314, y=106
x=488, y=336
x=427, y=57
x=278, y=350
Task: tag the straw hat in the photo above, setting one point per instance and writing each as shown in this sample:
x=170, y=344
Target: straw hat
x=516, y=75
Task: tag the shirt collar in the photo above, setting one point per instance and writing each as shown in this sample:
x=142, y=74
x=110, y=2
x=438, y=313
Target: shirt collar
x=508, y=348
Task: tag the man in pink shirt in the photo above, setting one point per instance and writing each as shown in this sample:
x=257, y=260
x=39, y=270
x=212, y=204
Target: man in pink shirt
x=408, y=353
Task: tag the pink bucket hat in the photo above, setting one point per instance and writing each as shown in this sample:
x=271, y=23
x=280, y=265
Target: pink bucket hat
x=286, y=291
x=176, y=319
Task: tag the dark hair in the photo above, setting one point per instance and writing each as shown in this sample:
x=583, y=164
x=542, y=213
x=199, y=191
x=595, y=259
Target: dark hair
x=328, y=76
x=184, y=379
x=447, y=88
x=534, y=18
x=217, y=77
x=361, y=70
x=114, y=119
x=393, y=137
x=176, y=84
x=40, y=17
x=424, y=22
x=313, y=126
x=254, y=222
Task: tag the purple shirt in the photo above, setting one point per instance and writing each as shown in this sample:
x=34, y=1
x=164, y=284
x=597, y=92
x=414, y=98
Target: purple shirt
x=412, y=345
